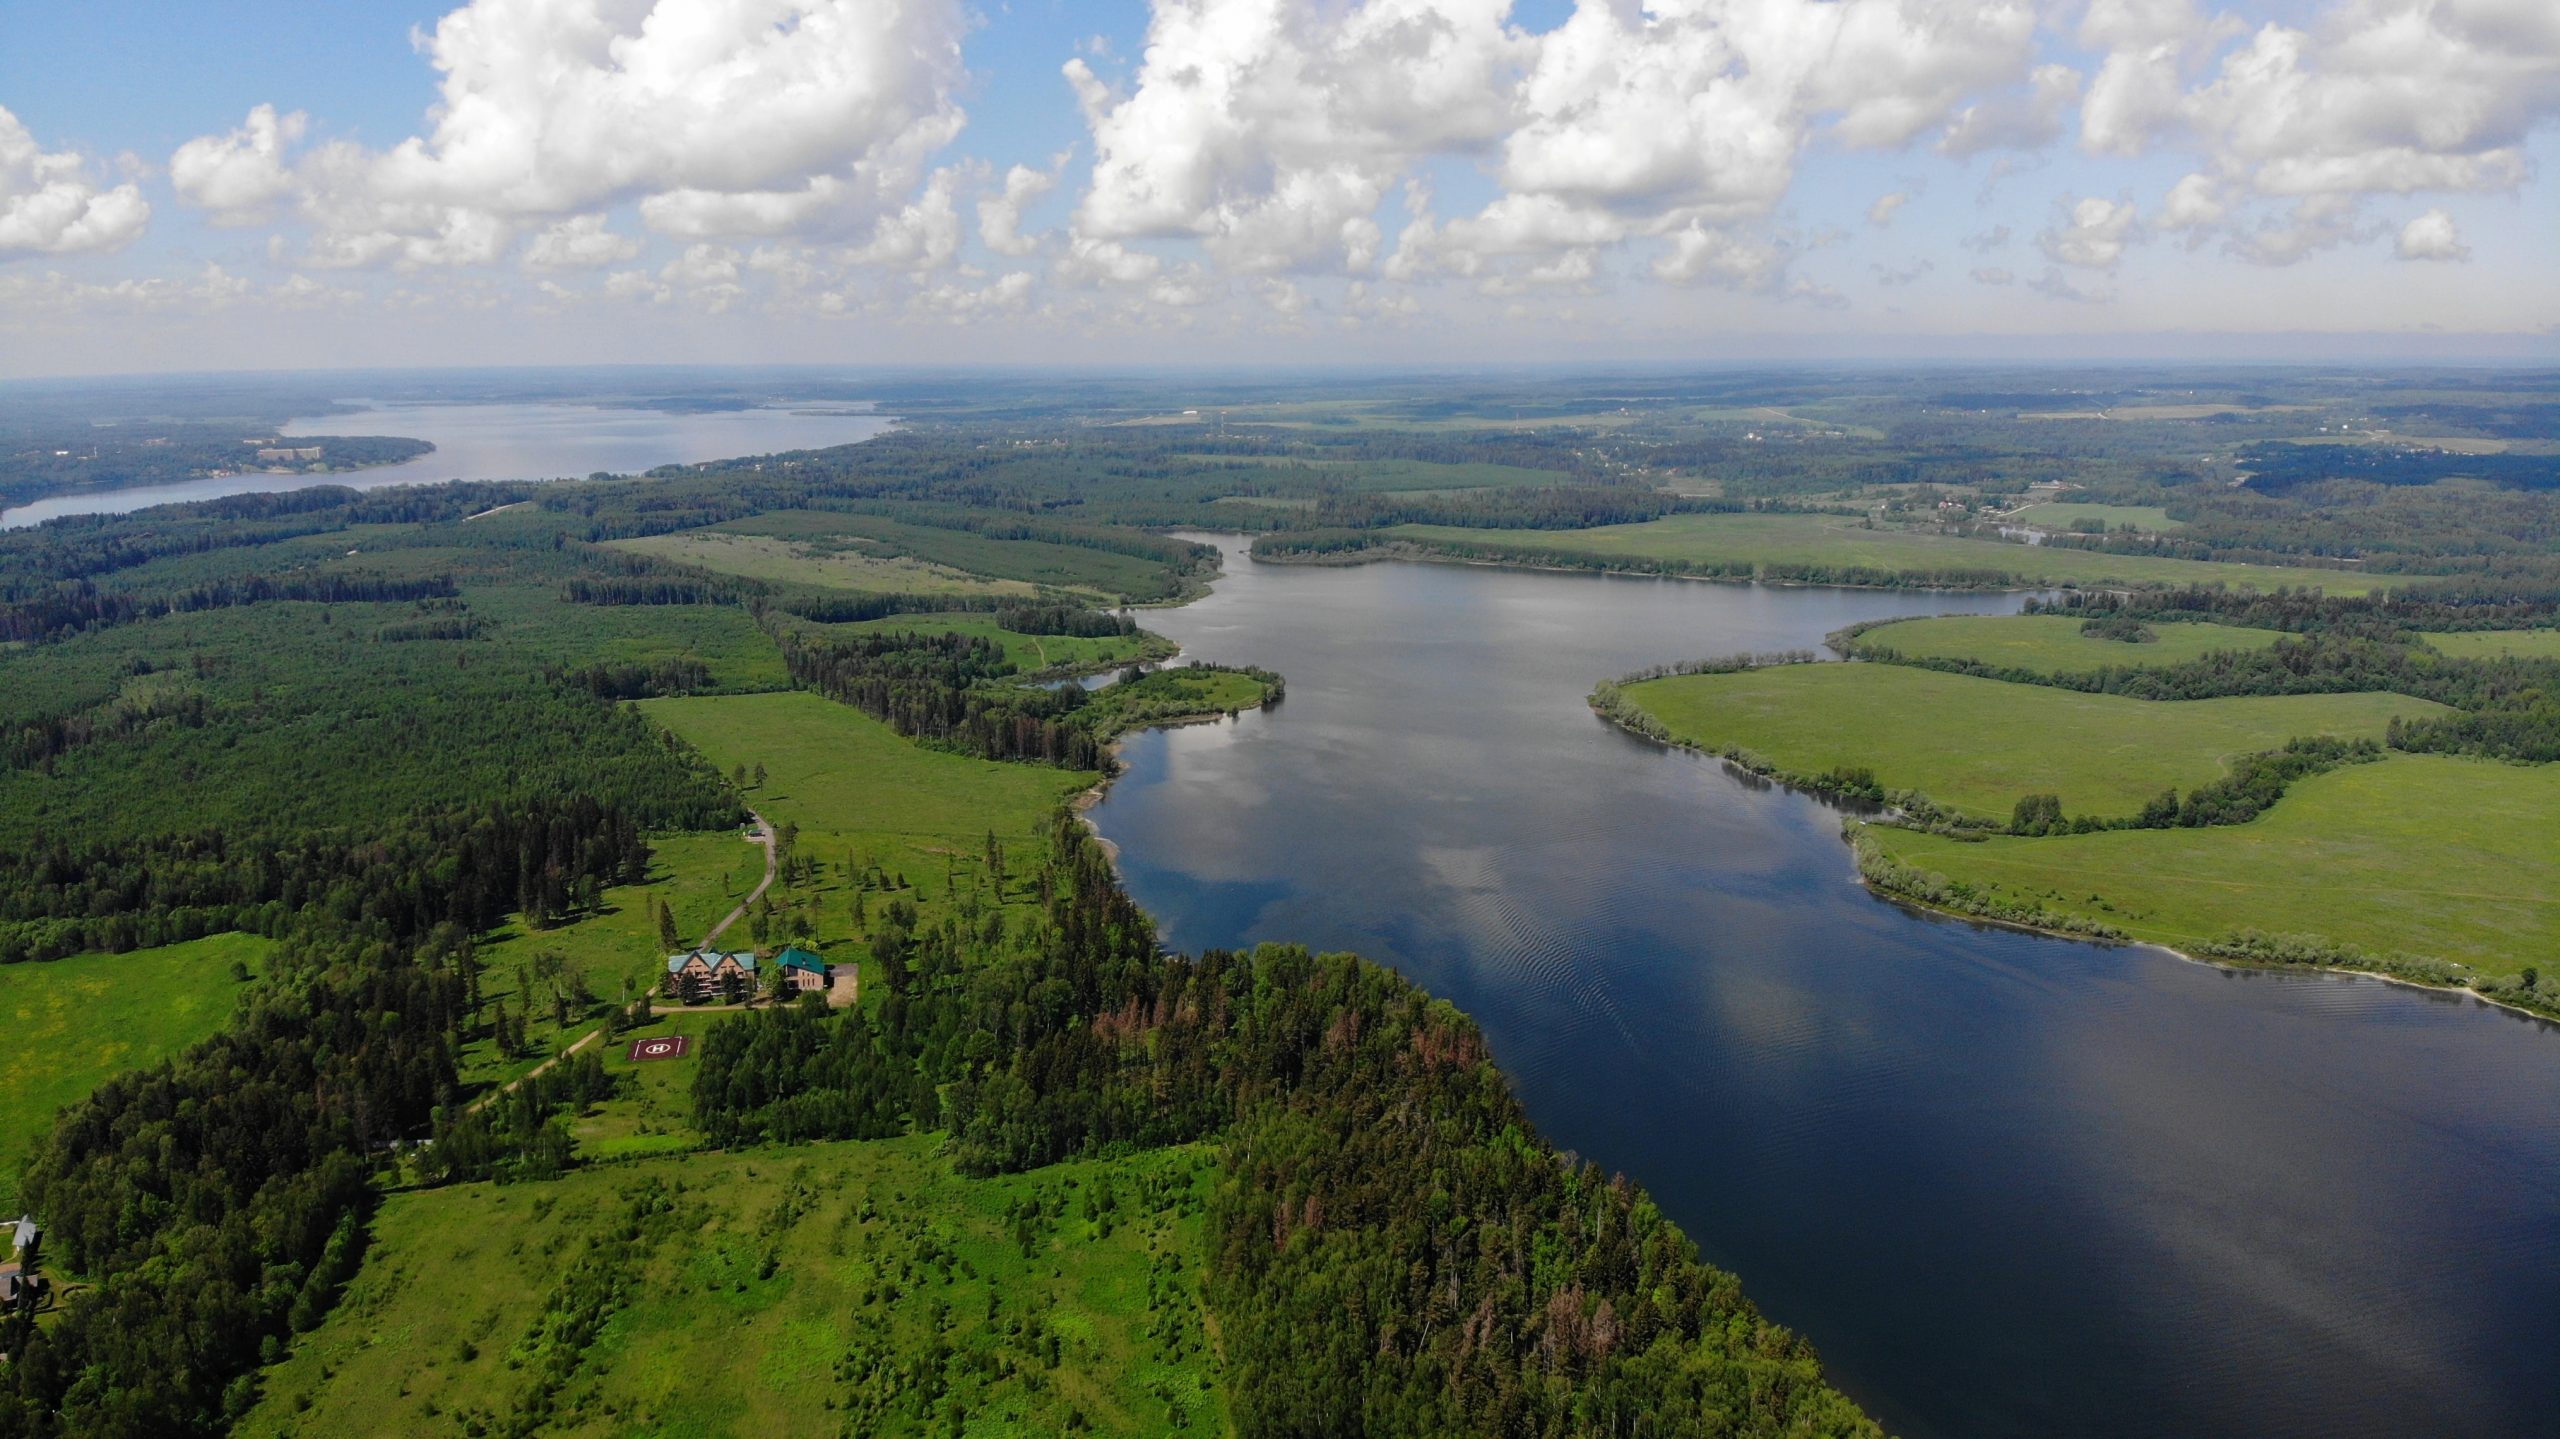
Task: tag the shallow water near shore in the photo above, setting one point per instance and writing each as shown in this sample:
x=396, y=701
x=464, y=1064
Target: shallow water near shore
x=2010, y=1185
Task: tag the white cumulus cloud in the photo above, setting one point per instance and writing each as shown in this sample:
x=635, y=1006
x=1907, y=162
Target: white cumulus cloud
x=50, y=204
x=239, y=176
x=2092, y=233
x=2431, y=236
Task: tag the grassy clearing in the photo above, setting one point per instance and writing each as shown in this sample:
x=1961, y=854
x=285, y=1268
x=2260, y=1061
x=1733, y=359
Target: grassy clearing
x=2063, y=515
x=1836, y=543
x=2489, y=644
x=700, y=876
x=866, y=800
x=856, y=1288
x=2420, y=854
x=767, y=557
x=724, y=637
x=838, y=773
x=76, y=1023
x=1032, y=654
x=1101, y=573
x=1977, y=746
x=2053, y=644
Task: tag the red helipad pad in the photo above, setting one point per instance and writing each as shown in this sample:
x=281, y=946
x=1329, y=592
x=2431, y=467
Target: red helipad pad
x=669, y=1046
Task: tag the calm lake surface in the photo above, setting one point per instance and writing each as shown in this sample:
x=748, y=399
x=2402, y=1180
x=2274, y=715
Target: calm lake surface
x=2010, y=1185
x=507, y=442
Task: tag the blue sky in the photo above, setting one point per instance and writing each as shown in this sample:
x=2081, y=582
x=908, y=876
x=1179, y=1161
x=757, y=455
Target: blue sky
x=184, y=186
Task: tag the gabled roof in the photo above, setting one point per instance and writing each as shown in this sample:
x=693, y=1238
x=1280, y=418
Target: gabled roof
x=797, y=958
x=744, y=958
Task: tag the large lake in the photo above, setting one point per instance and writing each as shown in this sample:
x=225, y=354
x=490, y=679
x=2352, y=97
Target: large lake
x=2010, y=1185
x=507, y=442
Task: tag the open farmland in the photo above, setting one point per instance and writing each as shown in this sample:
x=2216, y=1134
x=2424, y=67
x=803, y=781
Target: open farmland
x=1977, y=746
x=2448, y=858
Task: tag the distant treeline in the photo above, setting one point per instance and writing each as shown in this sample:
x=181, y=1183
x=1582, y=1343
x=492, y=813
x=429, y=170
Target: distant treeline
x=1393, y=1249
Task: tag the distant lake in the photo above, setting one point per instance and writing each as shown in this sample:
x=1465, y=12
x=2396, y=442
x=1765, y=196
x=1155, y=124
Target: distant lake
x=2009, y=1185
x=507, y=442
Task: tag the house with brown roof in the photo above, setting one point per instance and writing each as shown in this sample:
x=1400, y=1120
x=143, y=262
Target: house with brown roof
x=705, y=976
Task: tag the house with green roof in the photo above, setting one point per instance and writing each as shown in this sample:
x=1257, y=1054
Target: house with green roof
x=804, y=972
x=705, y=976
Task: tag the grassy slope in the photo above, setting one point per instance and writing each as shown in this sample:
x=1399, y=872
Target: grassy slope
x=1977, y=745
x=2453, y=858
x=1030, y=653
x=2489, y=644
x=1834, y=541
x=742, y=1325
x=2053, y=644
x=75, y=1023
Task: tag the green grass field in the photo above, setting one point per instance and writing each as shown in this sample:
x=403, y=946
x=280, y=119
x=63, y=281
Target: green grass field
x=76, y=1023
x=2053, y=644
x=2490, y=644
x=845, y=779
x=769, y=557
x=1099, y=573
x=832, y=1288
x=2419, y=854
x=1977, y=745
x=1835, y=542
x=2062, y=515
x=1032, y=654
x=724, y=637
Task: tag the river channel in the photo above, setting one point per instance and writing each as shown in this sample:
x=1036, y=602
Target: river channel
x=2010, y=1185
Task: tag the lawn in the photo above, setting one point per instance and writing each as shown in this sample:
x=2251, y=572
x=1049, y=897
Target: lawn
x=2062, y=515
x=2053, y=644
x=2489, y=644
x=835, y=1288
x=845, y=567
x=76, y=1023
x=1032, y=654
x=1795, y=544
x=2419, y=854
x=1977, y=745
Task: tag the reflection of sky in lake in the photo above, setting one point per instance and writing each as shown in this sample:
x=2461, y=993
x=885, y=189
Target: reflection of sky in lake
x=2010, y=1185
x=507, y=442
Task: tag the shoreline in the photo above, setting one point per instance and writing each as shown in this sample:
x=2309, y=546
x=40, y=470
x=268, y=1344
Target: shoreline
x=2104, y=935
x=1411, y=553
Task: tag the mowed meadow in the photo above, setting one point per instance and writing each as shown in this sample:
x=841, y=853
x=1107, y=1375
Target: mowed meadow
x=2421, y=855
x=1977, y=746
x=2052, y=644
